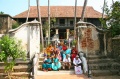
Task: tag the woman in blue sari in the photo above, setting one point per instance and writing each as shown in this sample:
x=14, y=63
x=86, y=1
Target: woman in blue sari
x=56, y=65
x=47, y=65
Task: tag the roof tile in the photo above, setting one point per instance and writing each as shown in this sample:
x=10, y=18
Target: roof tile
x=60, y=11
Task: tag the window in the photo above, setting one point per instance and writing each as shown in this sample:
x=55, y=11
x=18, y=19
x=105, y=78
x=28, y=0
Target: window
x=62, y=21
x=71, y=23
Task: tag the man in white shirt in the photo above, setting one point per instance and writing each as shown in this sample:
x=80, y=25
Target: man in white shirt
x=66, y=62
x=77, y=61
x=77, y=65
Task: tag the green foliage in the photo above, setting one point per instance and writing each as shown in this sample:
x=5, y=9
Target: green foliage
x=53, y=20
x=1, y=12
x=46, y=26
x=113, y=18
x=74, y=42
x=10, y=48
x=15, y=25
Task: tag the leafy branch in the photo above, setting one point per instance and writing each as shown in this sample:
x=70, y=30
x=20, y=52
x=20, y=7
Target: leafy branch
x=10, y=48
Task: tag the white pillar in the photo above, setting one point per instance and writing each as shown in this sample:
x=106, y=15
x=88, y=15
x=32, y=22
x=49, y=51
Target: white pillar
x=67, y=30
x=56, y=31
x=47, y=34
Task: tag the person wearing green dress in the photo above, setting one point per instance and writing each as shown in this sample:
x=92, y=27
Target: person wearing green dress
x=56, y=65
x=47, y=65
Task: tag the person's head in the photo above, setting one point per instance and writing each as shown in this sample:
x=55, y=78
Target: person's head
x=73, y=46
x=73, y=51
x=50, y=45
x=59, y=44
x=77, y=57
x=81, y=54
x=48, y=56
x=67, y=56
x=55, y=56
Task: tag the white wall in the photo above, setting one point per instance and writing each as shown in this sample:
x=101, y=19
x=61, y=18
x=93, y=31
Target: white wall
x=30, y=37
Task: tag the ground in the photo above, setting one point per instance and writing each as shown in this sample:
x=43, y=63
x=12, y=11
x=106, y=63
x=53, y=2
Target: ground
x=61, y=76
x=68, y=75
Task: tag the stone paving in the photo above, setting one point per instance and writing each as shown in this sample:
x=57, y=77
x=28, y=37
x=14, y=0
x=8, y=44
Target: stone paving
x=59, y=75
x=68, y=75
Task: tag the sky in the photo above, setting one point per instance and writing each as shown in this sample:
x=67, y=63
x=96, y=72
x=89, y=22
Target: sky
x=14, y=7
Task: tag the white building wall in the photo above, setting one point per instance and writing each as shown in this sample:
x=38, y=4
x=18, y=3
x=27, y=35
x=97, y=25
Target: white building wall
x=34, y=40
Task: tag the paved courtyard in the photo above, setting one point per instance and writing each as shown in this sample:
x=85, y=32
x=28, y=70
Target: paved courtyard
x=59, y=75
x=67, y=75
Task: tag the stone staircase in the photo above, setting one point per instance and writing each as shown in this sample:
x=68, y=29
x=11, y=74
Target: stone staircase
x=102, y=65
x=21, y=70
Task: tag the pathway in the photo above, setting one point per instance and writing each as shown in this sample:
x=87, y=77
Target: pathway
x=59, y=75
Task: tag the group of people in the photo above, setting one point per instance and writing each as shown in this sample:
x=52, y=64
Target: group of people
x=60, y=56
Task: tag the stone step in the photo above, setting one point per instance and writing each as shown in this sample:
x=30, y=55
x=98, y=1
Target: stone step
x=21, y=68
x=102, y=66
x=18, y=63
x=41, y=58
x=16, y=75
x=94, y=61
x=96, y=57
x=104, y=72
x=56, y=72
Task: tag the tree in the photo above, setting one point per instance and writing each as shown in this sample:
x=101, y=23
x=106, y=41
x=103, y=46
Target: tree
x=1, y=12
x=15, y=25
x=112, y=21
x=84, y=9
x=46, y=28
x=10, y=48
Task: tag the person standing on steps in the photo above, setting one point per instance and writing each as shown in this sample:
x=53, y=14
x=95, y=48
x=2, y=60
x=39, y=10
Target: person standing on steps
x=84, y=62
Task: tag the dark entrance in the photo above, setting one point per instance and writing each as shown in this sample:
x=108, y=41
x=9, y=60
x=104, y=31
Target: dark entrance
x=62, y=33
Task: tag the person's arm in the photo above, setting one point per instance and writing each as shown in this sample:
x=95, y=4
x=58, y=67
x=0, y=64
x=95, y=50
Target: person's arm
x=64, y=59
x=79, y=61
x=74, y=61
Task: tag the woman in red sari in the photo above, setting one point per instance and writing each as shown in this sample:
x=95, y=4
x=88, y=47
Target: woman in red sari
x=74, y=52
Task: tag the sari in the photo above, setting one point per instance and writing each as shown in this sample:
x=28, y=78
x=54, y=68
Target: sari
x=56, y=65
x=47, y=64
x=49, y=50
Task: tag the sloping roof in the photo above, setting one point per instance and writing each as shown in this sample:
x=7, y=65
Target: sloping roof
x=5, y=15
x=60, y=11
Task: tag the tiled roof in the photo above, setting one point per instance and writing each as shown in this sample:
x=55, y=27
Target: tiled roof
x=60, y=11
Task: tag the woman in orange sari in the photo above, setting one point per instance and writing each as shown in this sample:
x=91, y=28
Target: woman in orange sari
x=49, y=49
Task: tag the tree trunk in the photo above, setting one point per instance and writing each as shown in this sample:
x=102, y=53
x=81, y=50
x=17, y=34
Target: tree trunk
x=112, y=1
x=48, y=21
x=39, y=18
x=28, y=10
x=103, y=10
x=83, y=11
x=75, y=19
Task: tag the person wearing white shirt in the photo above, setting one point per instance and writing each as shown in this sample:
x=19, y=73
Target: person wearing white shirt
x=77, y=65
x=77, y=61
x=66, y=62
